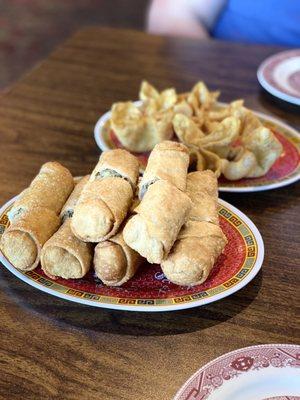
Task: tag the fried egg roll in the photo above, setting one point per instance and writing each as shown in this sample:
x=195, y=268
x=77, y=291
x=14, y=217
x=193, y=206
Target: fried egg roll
x=22, y=241
x=68, y=209
x=106, y=198
x=64, y=255
x=201, y=240
x=115, y=262
x=168, y=161
x=158, y=220
x=117, y=163
x=194, y=253
x=49, y=189
x=202, y=189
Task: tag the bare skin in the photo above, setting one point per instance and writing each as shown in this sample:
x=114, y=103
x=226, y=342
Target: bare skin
x=189, y=18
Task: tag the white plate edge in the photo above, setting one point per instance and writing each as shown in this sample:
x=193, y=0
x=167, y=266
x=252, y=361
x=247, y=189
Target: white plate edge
x=197, y=303
x=271, y=89
x=230, y=353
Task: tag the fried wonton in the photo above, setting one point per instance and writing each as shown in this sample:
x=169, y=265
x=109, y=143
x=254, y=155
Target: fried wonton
x=228, y=139
x=187, y=130
x=201, y=98
x=239, y=163
x=164, y=100
x=234, y=109
x=266, y=148
x=137, y=131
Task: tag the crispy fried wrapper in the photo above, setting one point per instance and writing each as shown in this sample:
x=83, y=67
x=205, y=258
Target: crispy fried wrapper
x=201, y=240
x=158, y=220
x=220, y=137
x=163, y=100
x=138, y=131
x=217, y=141
x=115, y=262
x=49, y=189
x=266, y=148
x=168, y=161
x=101, y=208
x=202, y=188
x=194, y=254
x=187, y=131
x=22, y=241
x=202, y=159
x=201, y=98
x=64, y=255
x=107, y=197
x=241, y=162
x=117, y=163
x=68, y=209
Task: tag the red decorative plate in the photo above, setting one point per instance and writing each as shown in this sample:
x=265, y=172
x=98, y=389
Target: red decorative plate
x=280, y=75
x=285, y=171
x=149, y=290
x=265, y=372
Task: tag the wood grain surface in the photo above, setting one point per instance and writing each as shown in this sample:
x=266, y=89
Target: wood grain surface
x=53, y=349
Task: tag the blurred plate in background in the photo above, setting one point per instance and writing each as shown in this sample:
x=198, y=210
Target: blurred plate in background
x=280, y=75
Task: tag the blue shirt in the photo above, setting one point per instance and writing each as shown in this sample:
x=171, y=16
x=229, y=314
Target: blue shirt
x=260, y=21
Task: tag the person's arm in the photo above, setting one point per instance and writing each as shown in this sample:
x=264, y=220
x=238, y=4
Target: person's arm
x=190, y=18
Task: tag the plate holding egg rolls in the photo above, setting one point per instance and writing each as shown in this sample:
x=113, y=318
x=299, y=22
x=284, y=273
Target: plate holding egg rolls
x=109, y=222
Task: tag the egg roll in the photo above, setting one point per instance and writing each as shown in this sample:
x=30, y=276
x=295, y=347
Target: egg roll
x=201, y=240
x=140, y=128
x=101, y=209
x=49, y=189
x=22, y=241
x=159, y=217
x=168, y=161
x=68, y=209
x=202, y=188
x=117, y=163
x=64, y=255
x=115, y=262
x=107, y=196
x=194, y=253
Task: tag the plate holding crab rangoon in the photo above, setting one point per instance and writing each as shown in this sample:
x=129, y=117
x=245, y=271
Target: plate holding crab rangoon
x=229, y=140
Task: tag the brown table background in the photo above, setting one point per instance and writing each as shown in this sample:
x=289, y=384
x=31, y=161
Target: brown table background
x=54, y=349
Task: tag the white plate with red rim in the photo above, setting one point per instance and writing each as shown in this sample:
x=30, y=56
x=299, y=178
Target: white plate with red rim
x=263, y=372
x=285, y=171
x=149, y=290
x=279, y=75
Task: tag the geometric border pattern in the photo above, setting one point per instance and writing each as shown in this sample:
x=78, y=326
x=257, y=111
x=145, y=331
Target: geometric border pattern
x=226, y=211
x=231, y=366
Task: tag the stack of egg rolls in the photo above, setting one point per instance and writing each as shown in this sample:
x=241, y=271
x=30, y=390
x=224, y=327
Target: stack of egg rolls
x=173, y=222
x=35, y=215
x=64, y=255
x=201, y=240
x=164, y=207
x=107, y=197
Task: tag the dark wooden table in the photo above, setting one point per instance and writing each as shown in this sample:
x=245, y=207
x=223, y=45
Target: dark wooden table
x=53, y=349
